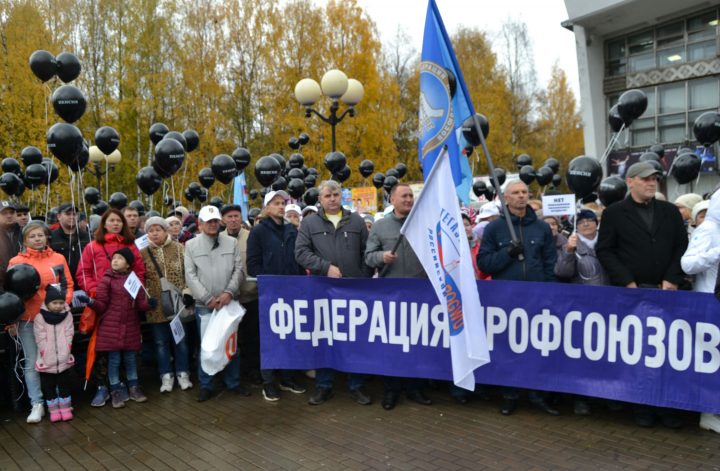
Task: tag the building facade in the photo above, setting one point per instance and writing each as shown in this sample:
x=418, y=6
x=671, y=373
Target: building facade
x=668, y=49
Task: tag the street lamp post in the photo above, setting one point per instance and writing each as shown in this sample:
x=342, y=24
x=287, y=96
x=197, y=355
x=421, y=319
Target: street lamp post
x=336, y=86
x=97, y=158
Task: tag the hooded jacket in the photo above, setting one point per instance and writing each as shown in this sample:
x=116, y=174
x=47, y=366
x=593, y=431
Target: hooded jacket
x=54, y=342
x=703, y=253
x=53, y=269
x=119, y=320
x=96, y=258
x=539, y=249
x=320, y=244
x=271, y=249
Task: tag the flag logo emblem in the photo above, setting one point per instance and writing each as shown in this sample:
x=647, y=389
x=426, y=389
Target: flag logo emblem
x=436, y=119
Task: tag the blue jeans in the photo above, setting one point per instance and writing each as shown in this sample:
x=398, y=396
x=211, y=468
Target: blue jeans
x=165, y=343
x=26, y=334
x=231, y=373
x=324, y=378
x=129, y=359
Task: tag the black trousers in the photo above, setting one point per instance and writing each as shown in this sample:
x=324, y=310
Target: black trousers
x=250, y=339
x=55, y=385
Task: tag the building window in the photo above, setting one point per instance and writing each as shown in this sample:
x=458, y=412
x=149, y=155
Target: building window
x=687, y=40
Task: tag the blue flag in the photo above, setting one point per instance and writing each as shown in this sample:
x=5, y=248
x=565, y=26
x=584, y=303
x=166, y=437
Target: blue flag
x=444, y=104
x=240, y=195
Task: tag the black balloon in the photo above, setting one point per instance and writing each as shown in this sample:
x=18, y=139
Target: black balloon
x=707, y=128
x=11, y=165
x=553, y=163
x=335, y=161
x=658, y=149
x=526, y=174
x=241, y=156
x=295, y=173
x=583, y=175
x=42, y=64
x=157, y=132
x=69, y=103
x=11, y=308
x=281, y=161
x=401, y=170
x=296, y=161
x=686, y=167
x=500, y=174
x=168, y=201
x=65, y=142
x=91, y=195
x=21, y=188
x=99, y=208
x=310, y=181
x=10, y=183
x=631, y=105
x=189, y=195
x=206, y=177
x=469, y=130
x=224, y=168
x=649, y=156
x=312, y=171
x=137, y=206
x=160, y=171
x=23, y=280
x=195, y=188
x=35, y=175
x=82, y=159
x=389, y=183
x=452, y=82
x=178, y=137
x=311, y=196
x=148, y=180
x=544, y=176
x=611, y=190
x=218, y=202
x=30, y=155
x=294, y=143
x=192, y=138
x=279, y=184
x=203, y=195
x=366, y=168
x=392, y=172
x=118, y=200
x=267, y=169
x=107, y=140
x=68, y=67
x=556, y=180
x=51, y=171
x=479, y=187
x=170, y=154
x=523, y=160
x=253, y=194
x=615, y=120
x=343, y=174
x=304, y=139
x=378, y=180
x=296, y=188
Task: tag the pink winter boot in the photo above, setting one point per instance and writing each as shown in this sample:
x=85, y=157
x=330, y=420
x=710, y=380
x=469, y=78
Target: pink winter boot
x=65, y=408
x=54, y=409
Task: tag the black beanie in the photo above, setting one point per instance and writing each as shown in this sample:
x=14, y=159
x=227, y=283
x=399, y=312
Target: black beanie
x=53, y=294
x=127, y=254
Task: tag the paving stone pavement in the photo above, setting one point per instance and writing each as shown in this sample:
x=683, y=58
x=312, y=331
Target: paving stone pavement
x=231, y=432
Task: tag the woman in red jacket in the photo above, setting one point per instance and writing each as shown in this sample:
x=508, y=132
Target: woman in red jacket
x=111, y=235
x=53, y=270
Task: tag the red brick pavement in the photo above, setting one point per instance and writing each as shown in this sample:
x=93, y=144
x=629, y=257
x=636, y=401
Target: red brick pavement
x=229, y=432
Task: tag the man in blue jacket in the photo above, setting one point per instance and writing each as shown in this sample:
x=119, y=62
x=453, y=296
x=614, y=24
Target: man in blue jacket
x=532, y=258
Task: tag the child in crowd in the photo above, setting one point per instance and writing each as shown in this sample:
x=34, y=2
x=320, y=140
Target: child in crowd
x=119, y=325
x=53, y=330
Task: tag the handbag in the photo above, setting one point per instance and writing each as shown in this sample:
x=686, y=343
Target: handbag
x=170, y=302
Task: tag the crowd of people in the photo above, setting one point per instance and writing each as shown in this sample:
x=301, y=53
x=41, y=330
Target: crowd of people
x=211, y=258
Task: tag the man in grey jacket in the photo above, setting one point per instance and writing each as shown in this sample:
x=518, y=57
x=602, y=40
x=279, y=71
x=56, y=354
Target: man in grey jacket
x=396, y=259
x=332, y=243
x=213, y=271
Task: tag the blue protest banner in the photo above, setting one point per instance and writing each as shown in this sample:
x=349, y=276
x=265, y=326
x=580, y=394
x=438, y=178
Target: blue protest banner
x=643, y=346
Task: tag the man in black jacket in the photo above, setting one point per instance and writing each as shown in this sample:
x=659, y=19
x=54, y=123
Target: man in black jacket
x=332, y=243
x=67, y=239
x=640, y=245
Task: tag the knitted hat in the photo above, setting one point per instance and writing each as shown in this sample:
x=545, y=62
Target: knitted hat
x=699, y=208
x=156, y=221
x=53, y=294
x=688, y=200
x=127, y=254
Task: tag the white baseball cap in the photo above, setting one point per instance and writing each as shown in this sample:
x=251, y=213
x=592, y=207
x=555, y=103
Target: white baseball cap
x=488, y=210
x=309, y=209
x=273, y=194
x=293, y=207
x=209, y=213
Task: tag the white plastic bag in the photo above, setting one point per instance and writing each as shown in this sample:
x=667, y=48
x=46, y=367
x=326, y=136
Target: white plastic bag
x=219, y=339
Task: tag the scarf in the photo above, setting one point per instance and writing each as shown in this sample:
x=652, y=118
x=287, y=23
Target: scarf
x=589, y=242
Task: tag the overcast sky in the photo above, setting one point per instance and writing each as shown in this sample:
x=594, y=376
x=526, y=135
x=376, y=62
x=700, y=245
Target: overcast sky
x=551, y=42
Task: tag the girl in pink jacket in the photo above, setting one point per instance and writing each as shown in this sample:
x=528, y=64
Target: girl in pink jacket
x=53, y=334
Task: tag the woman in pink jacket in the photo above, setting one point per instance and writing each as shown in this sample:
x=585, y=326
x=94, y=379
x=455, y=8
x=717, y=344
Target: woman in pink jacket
x=53, y=335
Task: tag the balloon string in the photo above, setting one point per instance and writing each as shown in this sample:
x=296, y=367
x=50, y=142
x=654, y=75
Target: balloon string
x=107, y=178
x=611, y=145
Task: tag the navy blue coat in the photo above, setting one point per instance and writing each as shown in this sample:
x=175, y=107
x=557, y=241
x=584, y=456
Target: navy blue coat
x=271, y=249
x=538, y=242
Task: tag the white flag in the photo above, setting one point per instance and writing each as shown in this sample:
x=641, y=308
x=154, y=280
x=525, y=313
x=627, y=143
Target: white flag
x=436, y=233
